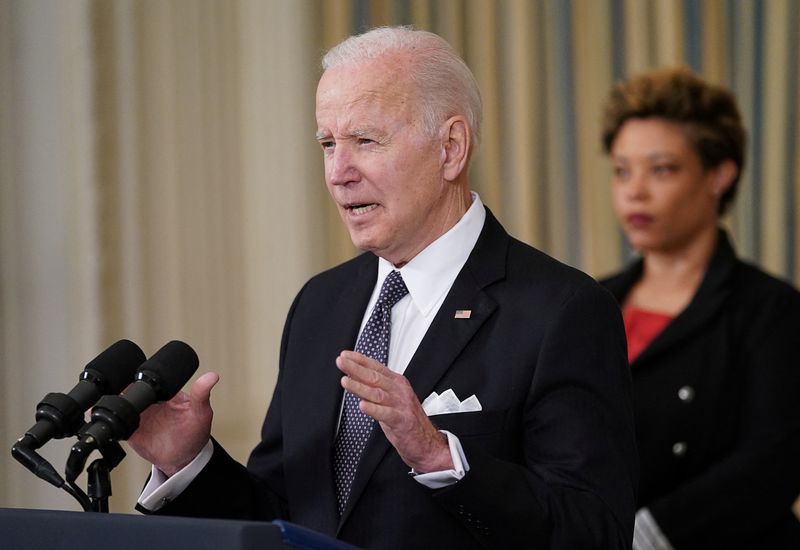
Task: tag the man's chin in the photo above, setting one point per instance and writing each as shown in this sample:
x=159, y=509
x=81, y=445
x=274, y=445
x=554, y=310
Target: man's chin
x=361, y=241
x=369, y=244
x=365, y=246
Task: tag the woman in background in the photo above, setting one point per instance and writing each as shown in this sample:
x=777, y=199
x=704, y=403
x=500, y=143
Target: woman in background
x=713, y=342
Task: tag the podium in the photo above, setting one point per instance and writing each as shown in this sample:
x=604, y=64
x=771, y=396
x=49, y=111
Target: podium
x=24, y=529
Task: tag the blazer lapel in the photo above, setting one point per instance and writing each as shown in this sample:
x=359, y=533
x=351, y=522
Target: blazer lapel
x=711, y=295
x=446, y=337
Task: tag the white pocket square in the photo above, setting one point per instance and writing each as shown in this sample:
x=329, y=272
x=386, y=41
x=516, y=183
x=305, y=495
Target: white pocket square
x=447, y=402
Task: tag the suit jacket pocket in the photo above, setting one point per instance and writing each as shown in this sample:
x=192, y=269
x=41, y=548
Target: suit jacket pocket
x=470, y=423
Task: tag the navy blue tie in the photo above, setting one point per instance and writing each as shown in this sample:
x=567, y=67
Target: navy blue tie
x=355, y=426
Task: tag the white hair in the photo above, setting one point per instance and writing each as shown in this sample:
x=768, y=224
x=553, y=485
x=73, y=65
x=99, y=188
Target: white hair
x=446, y=85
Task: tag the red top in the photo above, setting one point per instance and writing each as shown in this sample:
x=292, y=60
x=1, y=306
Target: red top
x=641, y=327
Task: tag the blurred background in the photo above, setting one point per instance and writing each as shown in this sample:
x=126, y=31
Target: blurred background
x=159, y=176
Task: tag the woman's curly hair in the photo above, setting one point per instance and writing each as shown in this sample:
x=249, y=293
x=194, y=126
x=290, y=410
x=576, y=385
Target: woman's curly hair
x=708, y=114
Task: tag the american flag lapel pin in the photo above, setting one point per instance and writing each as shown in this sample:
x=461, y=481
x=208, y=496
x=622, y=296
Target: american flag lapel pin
x=463, y=314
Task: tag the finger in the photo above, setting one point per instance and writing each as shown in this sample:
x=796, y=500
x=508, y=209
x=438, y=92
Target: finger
x=364, y=391
x=362, y=360
x=363, y=369
x=378, y=412
x=200, y=391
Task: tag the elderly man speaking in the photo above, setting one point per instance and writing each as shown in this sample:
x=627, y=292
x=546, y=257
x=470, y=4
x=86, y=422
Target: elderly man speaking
x=451, y=387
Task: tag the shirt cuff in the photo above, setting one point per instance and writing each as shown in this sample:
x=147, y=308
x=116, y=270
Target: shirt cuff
x=647, y=534
x=161, y=489
x=437, y=480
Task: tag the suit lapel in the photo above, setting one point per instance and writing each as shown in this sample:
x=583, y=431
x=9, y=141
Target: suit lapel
x=710, y=296
x=446, y=337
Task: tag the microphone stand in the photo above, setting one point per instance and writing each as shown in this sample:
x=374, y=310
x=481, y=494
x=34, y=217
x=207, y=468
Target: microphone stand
x=99, y=476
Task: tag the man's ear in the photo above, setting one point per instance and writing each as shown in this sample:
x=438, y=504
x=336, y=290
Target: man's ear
x=723, y=176
x=456, y=146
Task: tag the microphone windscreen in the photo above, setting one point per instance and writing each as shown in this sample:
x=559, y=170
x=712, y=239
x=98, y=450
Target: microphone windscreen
x=115, y=367
x=169, y=368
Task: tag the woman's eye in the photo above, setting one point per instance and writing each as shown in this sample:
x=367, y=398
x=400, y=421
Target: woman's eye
x=664, y=169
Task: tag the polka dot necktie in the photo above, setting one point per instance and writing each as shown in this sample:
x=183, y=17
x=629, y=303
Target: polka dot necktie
x=355, y=426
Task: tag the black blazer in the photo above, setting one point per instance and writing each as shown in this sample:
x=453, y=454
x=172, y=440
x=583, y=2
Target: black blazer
x=552, y=455
x=717, y=409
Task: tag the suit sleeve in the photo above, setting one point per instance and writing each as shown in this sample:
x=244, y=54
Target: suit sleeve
x=224, y=489
x=752, y=489
x=575, y=486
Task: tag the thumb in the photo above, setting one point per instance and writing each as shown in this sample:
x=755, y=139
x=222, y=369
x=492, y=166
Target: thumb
x=200, y=391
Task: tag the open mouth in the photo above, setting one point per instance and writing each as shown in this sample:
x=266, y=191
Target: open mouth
x=359, y=209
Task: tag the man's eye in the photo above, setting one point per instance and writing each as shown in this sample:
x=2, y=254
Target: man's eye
x=326, y=145
x=365, y=141
x=620, y=172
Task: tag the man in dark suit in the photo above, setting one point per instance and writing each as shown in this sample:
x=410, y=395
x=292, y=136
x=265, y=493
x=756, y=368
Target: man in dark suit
x=486, y=404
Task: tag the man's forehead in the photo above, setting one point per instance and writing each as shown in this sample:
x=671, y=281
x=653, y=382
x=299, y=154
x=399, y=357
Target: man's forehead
x=373, y=76
x=386, y=97
x=354, y=88
x=353, y=102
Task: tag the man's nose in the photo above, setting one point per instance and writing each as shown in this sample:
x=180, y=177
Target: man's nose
x=341, y=166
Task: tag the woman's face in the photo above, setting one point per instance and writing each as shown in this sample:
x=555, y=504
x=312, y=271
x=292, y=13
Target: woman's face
x=662, y=195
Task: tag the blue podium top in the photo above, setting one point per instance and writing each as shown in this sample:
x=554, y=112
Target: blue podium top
x=24, y=529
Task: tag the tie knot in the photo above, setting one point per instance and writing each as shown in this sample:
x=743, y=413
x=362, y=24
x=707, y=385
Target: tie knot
x=392, y=290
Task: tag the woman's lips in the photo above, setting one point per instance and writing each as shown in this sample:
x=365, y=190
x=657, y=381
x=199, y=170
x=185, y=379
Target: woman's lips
x=639, y=220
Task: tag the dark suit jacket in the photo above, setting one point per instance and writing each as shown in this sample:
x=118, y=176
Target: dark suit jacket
x=717, y=408
x=552, y=455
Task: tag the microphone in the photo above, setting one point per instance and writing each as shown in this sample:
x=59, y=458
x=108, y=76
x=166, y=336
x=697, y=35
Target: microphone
x=116, y=417
x=61, y=415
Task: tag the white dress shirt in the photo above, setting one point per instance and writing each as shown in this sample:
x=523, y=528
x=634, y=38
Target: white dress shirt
x=428, y=277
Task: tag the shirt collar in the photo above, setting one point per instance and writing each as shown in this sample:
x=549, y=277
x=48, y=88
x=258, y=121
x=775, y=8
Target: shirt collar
x=431, y=273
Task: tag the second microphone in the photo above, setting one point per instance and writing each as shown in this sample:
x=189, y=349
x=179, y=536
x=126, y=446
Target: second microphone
x=116, y=417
